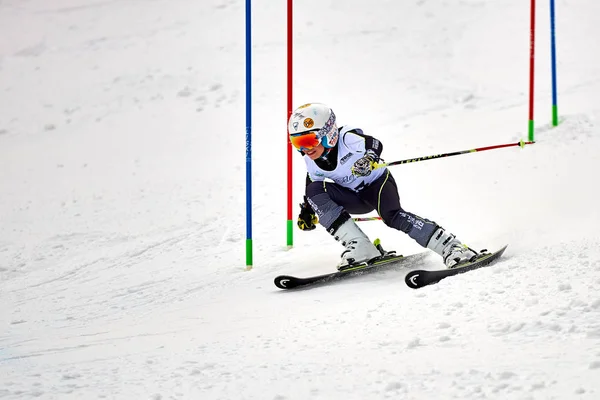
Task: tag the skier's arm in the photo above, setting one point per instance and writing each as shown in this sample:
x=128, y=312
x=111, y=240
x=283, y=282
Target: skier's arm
x=307, y=220
x=308, y=180
x=369, y=146
x=372, y=145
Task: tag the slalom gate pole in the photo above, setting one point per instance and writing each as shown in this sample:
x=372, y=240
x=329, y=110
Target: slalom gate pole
x=553, y=62
x=248, y=137
x=531, y=70
x=456, y=153
x=290, y=222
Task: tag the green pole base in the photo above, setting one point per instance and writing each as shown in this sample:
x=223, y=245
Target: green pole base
x=248, y=254
x=555, y=115
x=531, y=139
x=290, y=233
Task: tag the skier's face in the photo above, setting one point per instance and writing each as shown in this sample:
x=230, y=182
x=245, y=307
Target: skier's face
x=315, y=152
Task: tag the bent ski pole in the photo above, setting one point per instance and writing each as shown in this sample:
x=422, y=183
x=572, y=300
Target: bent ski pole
x=456, y=153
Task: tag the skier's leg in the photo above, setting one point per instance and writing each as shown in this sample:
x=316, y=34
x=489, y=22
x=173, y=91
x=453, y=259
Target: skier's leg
x=332, y=203
x=329, y=200
x=383, y=194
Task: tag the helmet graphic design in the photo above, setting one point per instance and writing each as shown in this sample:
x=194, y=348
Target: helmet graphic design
x=313, y=120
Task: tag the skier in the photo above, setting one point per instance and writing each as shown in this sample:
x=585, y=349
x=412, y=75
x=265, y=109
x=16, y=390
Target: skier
x=348, y=157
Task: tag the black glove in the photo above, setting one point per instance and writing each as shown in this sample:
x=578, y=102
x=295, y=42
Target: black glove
x=363, y=166
x=307, y=220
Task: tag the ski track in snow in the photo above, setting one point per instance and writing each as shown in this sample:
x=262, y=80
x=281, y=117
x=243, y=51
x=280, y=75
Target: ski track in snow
x=551, y=317
x=122, y=220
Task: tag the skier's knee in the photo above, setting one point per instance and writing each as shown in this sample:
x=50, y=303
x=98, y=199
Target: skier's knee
x=388, y=220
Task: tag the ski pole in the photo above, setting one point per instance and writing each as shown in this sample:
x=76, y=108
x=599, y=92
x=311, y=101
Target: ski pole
x=361, y=219
x=456, y=153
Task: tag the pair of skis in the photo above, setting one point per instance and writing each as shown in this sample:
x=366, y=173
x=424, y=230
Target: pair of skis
x=414, y=279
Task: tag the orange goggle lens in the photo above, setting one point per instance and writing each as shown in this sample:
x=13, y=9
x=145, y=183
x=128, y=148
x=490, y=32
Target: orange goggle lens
x=304, y=141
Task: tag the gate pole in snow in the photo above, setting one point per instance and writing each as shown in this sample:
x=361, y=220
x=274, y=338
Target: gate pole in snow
x=531, y=69
x=248, y=138
x=553, y=61
x=290, y=224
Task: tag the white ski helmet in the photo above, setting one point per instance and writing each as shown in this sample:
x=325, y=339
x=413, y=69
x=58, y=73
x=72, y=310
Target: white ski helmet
x=311, y=124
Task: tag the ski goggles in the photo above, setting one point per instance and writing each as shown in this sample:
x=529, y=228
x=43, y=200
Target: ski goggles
x=306, y=140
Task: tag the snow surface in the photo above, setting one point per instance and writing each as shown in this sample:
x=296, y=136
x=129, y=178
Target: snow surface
x=122, y=201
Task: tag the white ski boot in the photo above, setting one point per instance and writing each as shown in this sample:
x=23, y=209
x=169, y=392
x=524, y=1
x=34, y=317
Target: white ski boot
x=451, y=249
x=359, y=248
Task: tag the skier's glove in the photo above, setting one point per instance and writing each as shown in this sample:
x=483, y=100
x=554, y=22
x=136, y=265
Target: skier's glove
x=307, y=220
x=363, y=166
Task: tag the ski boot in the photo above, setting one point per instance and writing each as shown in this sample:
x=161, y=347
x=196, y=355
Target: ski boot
x=453, y=252
x=359, y=248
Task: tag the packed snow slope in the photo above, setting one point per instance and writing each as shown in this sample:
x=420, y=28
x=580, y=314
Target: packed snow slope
x=122, y=201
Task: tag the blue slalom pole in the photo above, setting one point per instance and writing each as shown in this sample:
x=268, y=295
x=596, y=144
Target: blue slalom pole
x=553, y=56
x=248, y=136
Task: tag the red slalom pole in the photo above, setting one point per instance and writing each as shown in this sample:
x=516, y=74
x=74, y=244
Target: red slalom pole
x=456, y=153
x=531, y=70
x=290, y=223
